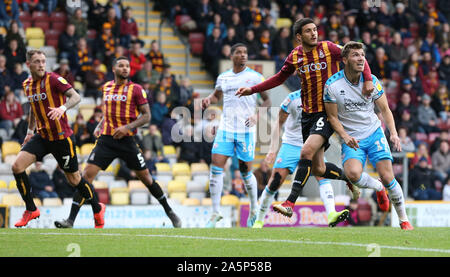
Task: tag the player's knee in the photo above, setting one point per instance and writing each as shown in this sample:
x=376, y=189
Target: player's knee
x=17, y=168
x=307, y=152
x=319, y=170
x=386, y=177
x=73, y=178
x=276, y=182
x=353, y=175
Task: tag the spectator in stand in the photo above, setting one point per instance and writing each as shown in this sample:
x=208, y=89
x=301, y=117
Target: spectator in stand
x=231, y=38
x=265, y=45
x=226, y=52
x=238, y=26
x=440, y=160
x=370, y=46
x=106, y=46
x=18, y=76
x=381, y=66
x=114, y=21
x=431, y=81
x=150, y=162
x=400, y=21
x=128, y=29
x=422, y=152
x=95, y=78
x=415, y=81
x=41, y=184
x=80, y=23
x=62, y=186
x=67, y=44
x=282, y=42
x=211, y=50
x=10, y=113
x=117, y=6
x=30, y=5
x=237, y=185
x=148, y=74
x=383, y=16
x=406, y=142
x=159, y=109
x=137, y=58
x=430, y=45
x=14, y=32
x=408, y=121
x=152, y=141
x=444, y=69
x=351, y=29
x=84, y=60
x=425, y=65
x=79, y=128
x=334, y=24
x=398, y=55
x=9, y=11
x=421, y=180
x=64, y=71
x=217, y=23
x=269, y=25
x=96, y=15
x=51, y=5
x=6, y=81
x=428, y=119
x=156, y=56
x=443, y=136
x=253, y=46
x=435, y=14
x=170, y=86
x=203, y=14
x=364, y=15
x=189, y=151
x=186, y=93
x=14, y=55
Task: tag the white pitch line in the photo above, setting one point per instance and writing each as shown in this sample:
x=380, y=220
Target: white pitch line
x=249, y=240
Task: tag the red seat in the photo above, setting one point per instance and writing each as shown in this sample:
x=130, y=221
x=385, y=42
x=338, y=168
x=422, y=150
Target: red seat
x=59, y=26
x=196, y=37
x=26, y=24
x=196, y=48
x=364, y=211
x=39, y=16
x=422, y=137
x=407, y=42
x=24, y=16
x=52, y=34
x=181, y=19
x=103, y=195
x=52, y=42
x=92, y=34
x=58, y=17
x=44, y=25
x=433, y=136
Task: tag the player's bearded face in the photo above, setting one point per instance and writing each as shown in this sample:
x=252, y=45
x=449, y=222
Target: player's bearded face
x=37, y=65
x=309, y=35
x=355, y=60
x=122, y=69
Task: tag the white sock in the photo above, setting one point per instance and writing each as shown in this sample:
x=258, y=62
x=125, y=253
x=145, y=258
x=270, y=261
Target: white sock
x=397, y=199
x=251, y=186
x=266, y=199
x=215, y=187
x=367, y=182
x=327, y=195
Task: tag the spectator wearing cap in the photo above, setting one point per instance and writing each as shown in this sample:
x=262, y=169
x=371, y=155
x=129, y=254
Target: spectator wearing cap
x=80, y=23
x=444, y=69
x=421, y=180
x=428, y=119
x=137, y=58
x=128, y=29
x=67, y=44
x=156, y=56
x=95, y=78
x=64, y=71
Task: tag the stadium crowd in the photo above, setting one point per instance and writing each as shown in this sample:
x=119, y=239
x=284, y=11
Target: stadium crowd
x=407, y=47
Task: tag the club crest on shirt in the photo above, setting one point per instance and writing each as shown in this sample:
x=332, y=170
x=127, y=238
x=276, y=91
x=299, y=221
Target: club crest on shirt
x=62, y=80
x=321, y=54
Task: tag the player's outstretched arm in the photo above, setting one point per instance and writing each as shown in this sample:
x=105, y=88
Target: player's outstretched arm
x=332, y=114
x=388, y=118
x=73, y=98
x=31, y=126
x=270, y=83
x=275, y=137
x=213, y=98
x=144, y=118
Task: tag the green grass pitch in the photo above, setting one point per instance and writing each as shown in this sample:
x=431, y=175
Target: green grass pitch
x=226, y=242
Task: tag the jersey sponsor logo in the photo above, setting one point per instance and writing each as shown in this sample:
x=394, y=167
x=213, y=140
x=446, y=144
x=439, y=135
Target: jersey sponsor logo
x=352, y=106
x=62, y=80
x=115, y=97
x=313, y=67
x=37, y=97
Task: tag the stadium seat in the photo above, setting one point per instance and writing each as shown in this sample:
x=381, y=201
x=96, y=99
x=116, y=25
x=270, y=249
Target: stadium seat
x=44, y=25
x=139, y=198
x=199, y=169
x=422, y=137
x=183, y=178
x=103, y=195
x=197, y=37
x=26, y=24
x=163, y=169
x=36, y=43
x=120, y=196
x=193, y=186
x=52, y=42
x=91, y=34
x=197, y=195
x=178, y=196
x=181, y=19
x=34, y=33
x=12, y=185
x=58, y=16
x=283, y=22
x=181, y=169
x=24, y=16
x=12, y=199
x=190, y=202
x=106, y=178
x=86, y=149
x=196, y=48
x=202, y=179
x=136, y=185
x=39, y=16
x=206, y=202
x=230, y=200
x=432, y=137
x=3, y=31
x=100, y=184
x=52, y=202
x=364, y=211
x=164, y=178
x=37, y=202
x=3, y=186
x=9, y=159
x=176, y=186
x=10, y=148
x=52, y=34
x=59, y=26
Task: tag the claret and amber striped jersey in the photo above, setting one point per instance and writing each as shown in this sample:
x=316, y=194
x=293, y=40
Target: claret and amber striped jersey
x=43, y=94
x=121, y=105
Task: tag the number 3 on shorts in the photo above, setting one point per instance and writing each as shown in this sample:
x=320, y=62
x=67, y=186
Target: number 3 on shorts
x=320, y=124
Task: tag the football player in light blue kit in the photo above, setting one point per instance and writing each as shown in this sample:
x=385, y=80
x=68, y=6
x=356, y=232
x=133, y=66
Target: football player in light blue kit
x=237, y=130
x=353, y=118
x=287, y=159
